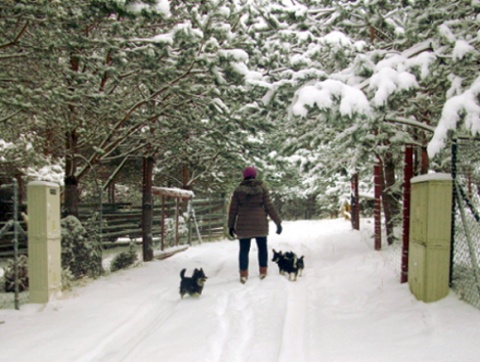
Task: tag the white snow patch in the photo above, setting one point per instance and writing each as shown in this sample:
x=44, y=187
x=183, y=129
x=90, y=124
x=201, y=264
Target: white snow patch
x=460, y=107
x=323, y=95
x=461, y=49
x=432, y=177
x=349, y=305
x=160, y=7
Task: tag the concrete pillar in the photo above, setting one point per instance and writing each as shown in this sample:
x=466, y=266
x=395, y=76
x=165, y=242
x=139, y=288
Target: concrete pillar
x=44, y=251
x=430, y=236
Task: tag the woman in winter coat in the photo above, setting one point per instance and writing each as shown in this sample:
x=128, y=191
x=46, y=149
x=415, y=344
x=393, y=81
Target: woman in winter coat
x=247, y=217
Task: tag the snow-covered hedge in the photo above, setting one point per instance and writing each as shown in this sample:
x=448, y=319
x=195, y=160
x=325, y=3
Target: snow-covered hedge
x=79, y=254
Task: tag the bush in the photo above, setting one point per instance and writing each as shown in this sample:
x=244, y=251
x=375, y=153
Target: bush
x=9, y=275
x=67, y=279
x=124, y=259
x=81, y=256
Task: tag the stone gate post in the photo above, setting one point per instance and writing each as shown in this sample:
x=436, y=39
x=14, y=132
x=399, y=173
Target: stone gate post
x=44, y=258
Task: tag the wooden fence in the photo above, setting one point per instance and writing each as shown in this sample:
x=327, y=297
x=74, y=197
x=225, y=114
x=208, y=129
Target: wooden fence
x=123, y=221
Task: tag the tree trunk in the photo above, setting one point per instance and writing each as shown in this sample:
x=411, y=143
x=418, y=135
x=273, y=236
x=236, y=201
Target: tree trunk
x=71, y=180
x=71, y=199
x=185, y=186
x=310, y=207
x=70, y=205
x=185, y=177
x=377, y=215
x=111, y=193
x=390, y=207
x=355, y=203
x=425, y=161
x=147, y=209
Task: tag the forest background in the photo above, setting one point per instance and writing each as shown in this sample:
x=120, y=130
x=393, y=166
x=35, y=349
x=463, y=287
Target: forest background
x=310, y=92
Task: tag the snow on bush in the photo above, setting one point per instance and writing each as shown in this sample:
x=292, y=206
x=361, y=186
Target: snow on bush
x=124, y=259
x=79, y=255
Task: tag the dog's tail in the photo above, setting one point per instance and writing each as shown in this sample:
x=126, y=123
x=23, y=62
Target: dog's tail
x=182, y=273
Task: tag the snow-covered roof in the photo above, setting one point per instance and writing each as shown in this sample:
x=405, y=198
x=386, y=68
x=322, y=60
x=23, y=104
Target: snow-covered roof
x=173, y=192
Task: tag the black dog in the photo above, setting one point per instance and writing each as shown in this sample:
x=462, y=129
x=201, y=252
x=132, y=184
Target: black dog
x=300, y=265
x=285, y=261
x=192, y=286
x=289, y=263
x=278, y=258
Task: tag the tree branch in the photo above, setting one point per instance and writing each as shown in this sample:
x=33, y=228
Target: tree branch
x=17, y=38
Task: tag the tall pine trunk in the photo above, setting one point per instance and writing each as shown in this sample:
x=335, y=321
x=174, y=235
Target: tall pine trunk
x=71, y=180
x=390, y=206
x=147, y=209
x=71, y=197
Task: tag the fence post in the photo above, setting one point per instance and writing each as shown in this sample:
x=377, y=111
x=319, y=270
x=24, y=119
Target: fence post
x=44, y=250
x=454, y=204
x=430, y=243
x=407, y=175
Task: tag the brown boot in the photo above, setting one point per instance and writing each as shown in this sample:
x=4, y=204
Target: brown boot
x=263, y=272
x=243, y=276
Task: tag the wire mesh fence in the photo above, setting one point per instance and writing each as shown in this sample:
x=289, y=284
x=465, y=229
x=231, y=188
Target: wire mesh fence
x=465, y=271
x=13, y=262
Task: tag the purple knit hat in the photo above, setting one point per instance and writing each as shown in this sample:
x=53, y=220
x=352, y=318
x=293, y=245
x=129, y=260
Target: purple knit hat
x=250, y=172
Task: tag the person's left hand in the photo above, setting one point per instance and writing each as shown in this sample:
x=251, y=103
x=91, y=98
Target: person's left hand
x=231, y=232
x=279, y=229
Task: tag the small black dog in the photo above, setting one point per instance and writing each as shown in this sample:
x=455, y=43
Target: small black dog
x=278, y=258
x=284, y=261
x=192, y=286
x=288, y=263
x=300, y=265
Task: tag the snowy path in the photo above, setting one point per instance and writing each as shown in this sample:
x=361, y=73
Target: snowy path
x=348, y=306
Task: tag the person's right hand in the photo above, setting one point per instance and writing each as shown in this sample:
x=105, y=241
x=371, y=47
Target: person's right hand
x=231, y=232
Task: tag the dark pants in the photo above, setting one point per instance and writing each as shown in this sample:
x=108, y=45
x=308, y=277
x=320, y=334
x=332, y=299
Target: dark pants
x=245, y=249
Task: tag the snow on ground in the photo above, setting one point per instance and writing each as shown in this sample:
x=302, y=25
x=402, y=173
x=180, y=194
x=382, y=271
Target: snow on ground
x=348, y=306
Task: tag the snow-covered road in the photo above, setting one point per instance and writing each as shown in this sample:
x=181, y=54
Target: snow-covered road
x=348, y=306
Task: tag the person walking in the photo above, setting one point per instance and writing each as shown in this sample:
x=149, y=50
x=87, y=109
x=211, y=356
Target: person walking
x=247, y=218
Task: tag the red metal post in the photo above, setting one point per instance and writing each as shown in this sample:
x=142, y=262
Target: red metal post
x=377, y=179
x=407, y=175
